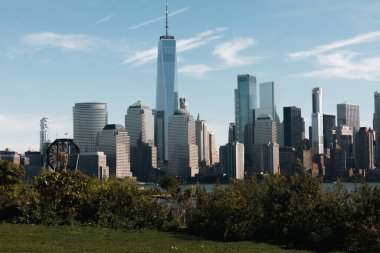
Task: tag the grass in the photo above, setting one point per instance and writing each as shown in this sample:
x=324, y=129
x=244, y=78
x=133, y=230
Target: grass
x=38, y=238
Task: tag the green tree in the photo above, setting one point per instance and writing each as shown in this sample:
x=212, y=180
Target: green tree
x=10, y=173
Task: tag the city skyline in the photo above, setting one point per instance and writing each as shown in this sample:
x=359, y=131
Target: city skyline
x=67, y=53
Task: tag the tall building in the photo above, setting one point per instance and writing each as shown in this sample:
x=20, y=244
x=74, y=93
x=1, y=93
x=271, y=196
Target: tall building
x=293, y=126
x=214, y=156
x=245, y=102
x=345, y=139
x=267, y=104
x=376, y=127
x=265, y=130
x=113, y=140
x=317, y=122
x=364, y=140
x=183, y=150
x=139, y=123
x=231, y=133
x=203, y=142
x=89, y=120
x=44, y=128
x=328, y=130
x=94, y=164
x=348, y=115
x=167, y=90
x=232, y=160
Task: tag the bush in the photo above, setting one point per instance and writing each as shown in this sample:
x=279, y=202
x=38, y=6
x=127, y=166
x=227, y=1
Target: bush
x=10, y=173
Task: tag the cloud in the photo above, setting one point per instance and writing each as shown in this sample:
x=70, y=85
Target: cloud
x=332, y=61
x=362, y=38
x=183, y=45
x=105, y=19
x=228, y=51
x=148, y=22
x=68, y=42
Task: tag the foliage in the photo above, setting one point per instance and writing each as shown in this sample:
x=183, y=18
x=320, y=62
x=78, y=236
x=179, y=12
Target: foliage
x=10, y=173
x=170, y=184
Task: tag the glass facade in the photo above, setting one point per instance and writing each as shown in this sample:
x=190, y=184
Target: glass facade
x=167, y=88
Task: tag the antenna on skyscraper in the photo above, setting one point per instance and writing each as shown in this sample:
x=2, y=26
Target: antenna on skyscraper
x=166, y=24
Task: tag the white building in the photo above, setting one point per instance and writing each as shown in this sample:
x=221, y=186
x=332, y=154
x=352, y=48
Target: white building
x=113, y=140
x=203, y=142
x=317, y=122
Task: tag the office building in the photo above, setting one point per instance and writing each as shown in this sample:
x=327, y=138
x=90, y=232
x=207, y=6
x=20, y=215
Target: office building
x=10, y=156
x=288, y=159
x=94, y=164
x=44, y=127
x=89, y=120
x=345, y=139
x=139, y=123
x=166, y=91
x=265, y=130
x=183, y=150
x=317, y=122
x=231, y=133
x=202, y=141
x=328, y=130
x=114, y=141
x=214, y=156
x=348, y=114
x=232, y=160
x=35, y=163
x=376, y=127
x=364, y=139
x=293, y=126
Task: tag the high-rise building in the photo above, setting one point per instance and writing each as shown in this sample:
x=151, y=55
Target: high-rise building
x=183, y=150
x=328, y=129
x=245, y=102
x=232, y=133
x=139, y=123
x=364, y=140
x=167, y=90
x=293, y=126
x=267, y=104
x=113, y=140
x=44, y=128
x=376, y=127
x=348, y=115
x=288, y=156
x=265, y=130
x=214, y=156
x=345, y=138
x=89, y=120
x=317, y=122
x=232, y=160
x=10, y=156
x=203, y=142
x=94, y=164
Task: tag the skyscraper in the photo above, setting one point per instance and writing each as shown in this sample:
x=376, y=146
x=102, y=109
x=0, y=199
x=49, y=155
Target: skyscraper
x=317, y=122
x=245, y=102
x=232, y=160
x=44, y=128
x=183, y=150
x=267, y=104
x=214, y=157
x=348, y=115
x=293, y=126
x=139, y=123
x=202, y=140
x=328, y=128
x=376, y=127
x=167, y=90
x=89, y=120
x=364, y=149
x=113, y=140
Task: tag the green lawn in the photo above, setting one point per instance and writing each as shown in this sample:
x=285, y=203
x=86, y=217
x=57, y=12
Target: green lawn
x=36, y=238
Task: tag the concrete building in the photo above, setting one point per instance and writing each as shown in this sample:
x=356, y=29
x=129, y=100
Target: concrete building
x=376, y=127
x=44, y=132
x=293, y=126
x=94, y=164
x=232, y=160
x=317, y=122
x=114, y=141
x=348, y=114
x=288, y=158
x=139, y=123
x=345, y=138
x=338, y=158
x=231, y=133
x=265, y=130
x=328, y=130
x=89, y=120
x=183, y=150
x=166, y=91
x=35, y=163
x=202, y=141
x=364, y=140
x=214, y=156
x=10, y=156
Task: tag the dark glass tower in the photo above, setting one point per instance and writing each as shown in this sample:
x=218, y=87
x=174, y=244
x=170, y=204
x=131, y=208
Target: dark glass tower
x=293, y=126
x=167, y=89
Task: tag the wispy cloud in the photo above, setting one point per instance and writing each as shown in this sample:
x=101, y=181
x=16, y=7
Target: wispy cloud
x=68, y=42
x=154, y=20
x=183, y=45
x=228, y=52
x=362, y=38
x=105, y=19
x=332, y=60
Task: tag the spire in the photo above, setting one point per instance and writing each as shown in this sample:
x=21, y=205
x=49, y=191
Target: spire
x=166, y=23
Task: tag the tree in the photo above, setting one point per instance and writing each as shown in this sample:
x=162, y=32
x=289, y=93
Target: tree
x=10, y=173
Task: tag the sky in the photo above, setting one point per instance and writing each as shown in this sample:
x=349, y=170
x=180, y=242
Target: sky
x=54, y=54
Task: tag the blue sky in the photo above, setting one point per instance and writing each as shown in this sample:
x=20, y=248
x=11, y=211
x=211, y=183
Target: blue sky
x=56, y=53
